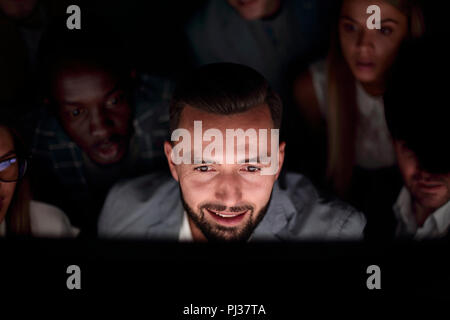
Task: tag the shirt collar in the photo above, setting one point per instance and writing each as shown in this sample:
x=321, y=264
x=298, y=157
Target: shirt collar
x=185, y=234
x=442, y=218
x=403, y=208
x=404, y=213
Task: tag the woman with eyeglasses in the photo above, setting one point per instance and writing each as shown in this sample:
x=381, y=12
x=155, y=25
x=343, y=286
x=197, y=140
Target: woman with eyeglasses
x=19, y=214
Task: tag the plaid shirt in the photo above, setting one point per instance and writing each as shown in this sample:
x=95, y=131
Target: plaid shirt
x=58, y=161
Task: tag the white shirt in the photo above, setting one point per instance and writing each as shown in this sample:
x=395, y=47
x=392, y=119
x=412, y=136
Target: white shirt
x=436, y=225
x=47, y=221
x=185, y=234
x=373, y=145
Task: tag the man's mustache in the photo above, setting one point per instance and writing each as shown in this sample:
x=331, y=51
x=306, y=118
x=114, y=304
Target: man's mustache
x=220, y=207
x=114, y=138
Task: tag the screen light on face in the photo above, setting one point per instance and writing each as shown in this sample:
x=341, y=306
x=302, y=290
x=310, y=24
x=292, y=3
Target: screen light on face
x=235, y=147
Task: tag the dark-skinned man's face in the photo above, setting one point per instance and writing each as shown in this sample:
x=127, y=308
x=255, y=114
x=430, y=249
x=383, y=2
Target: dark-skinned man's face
x=94, y=111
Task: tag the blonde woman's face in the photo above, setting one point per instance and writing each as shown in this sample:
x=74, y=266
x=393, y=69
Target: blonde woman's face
x=6, y=188
x=370, y=53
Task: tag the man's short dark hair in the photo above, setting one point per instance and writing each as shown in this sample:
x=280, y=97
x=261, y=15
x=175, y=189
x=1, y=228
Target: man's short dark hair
x=224, y=88
x=94, y=46
x=417, y=103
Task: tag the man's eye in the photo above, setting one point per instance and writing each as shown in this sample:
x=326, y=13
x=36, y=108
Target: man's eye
x=75, y=112
x=251, y=169
x=115, y=100
x=203, y=168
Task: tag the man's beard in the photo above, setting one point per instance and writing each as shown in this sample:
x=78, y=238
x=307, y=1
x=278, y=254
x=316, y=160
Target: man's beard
x=219, y=233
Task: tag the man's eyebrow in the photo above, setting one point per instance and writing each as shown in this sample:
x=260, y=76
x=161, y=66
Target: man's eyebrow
x=116, y=87
x=203, y=161
x=79, y=104
x=72, y=103
x=252, y=160
x=9, y=153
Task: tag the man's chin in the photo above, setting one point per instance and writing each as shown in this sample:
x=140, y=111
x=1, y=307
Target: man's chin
x=433, y=200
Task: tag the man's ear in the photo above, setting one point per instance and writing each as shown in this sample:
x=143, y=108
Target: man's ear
x=168, y=152
x=281, y=149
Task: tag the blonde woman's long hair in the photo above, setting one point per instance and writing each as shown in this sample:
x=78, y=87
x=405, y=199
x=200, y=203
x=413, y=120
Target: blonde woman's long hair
x=342, y=115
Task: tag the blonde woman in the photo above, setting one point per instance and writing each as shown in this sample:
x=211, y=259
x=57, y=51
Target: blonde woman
x=19, y=215
x=344, y=93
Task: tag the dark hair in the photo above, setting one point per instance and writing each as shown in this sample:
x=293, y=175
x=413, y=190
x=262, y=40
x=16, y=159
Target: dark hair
x=224, y=88
x=417, y=103
x=18, y=215
x=95, y=46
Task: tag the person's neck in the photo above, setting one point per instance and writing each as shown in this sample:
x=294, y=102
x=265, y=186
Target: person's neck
x=375, y=89
x=421, y=213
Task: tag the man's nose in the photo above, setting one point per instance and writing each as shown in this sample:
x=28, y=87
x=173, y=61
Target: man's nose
x=99, y=124
x=424, y=175
x=228, y=189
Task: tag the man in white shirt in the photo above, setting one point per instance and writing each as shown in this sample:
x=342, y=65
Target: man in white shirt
x=417, y=113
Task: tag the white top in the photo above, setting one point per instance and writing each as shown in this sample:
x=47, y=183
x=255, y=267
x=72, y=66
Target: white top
x=185, y=234
x=374, y=148
x=47, y=221
x=436, y=225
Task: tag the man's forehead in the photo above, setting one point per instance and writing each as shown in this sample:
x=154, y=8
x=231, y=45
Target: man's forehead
x=85, y=84
x=258, y=117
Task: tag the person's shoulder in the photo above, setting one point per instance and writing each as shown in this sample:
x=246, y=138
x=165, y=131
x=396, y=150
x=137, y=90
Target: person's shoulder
x=310, y=90
x=318, y=68
x=151, y=98
x=49, y=221
x=48, y=133
x=211, y=13
x=134, y=203
x=153, y=87
x=319, y=217
x=141, y=188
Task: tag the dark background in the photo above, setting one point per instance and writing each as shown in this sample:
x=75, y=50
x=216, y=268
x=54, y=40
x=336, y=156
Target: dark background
x=162, y=278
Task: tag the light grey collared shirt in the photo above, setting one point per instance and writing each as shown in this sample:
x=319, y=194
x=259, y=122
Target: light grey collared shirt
x=185, y=230
x=436, y=225
x=150, y=207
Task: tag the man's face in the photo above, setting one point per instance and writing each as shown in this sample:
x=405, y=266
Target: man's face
x=95, y=112
x=255, y=9
x=225, y=201
x=18, y=9
x=430, y=191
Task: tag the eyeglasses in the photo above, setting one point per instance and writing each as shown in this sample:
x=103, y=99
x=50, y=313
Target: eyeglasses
x=13, y=169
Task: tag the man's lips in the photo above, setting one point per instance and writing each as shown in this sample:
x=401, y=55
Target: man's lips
x=430, y=186
x=108, y=149
x=227, y=218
